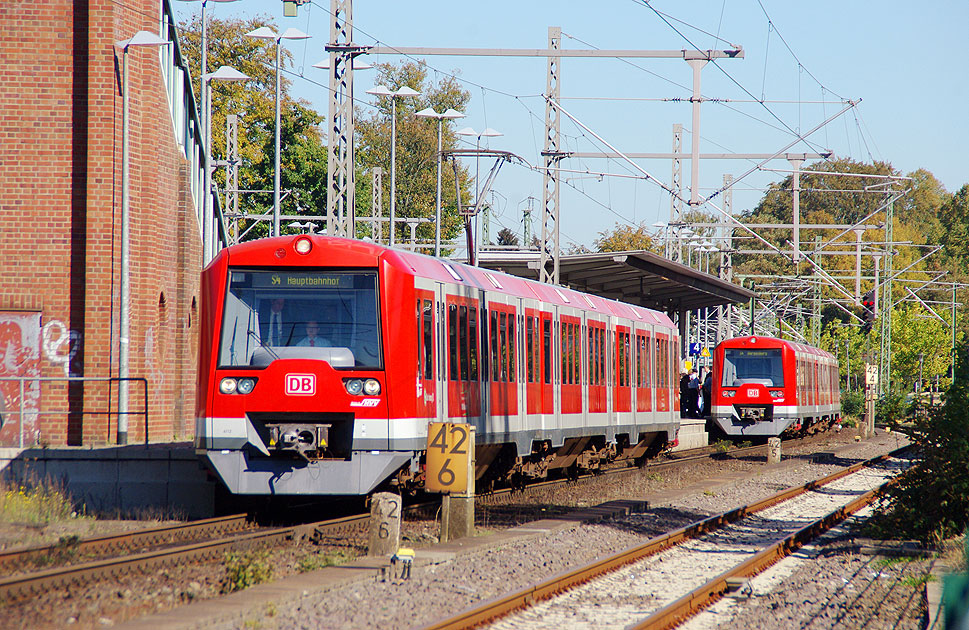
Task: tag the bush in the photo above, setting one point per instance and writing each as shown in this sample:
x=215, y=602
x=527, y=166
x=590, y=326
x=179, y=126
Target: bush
x=853, y=403
x=930, y=501
x=243, y=570
x=35, y=503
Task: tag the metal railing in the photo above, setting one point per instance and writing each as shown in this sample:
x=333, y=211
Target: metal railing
x=22, y=412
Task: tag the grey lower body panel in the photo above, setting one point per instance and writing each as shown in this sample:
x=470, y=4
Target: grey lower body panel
x=276, y=476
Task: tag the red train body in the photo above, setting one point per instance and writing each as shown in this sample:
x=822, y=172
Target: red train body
x=550, y=377
x=768, y=387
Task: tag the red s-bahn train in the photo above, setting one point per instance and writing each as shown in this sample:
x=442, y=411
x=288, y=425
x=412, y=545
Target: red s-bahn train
x=768, y=387
x=322, y=361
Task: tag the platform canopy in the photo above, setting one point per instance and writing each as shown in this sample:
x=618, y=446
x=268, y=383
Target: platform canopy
x=637, y=277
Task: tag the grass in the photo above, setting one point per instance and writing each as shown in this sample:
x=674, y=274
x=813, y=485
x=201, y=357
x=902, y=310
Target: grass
x=321, y=560
x=33, y=504
x=243, y=570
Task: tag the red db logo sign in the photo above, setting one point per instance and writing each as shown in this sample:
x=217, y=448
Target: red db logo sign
x=301, y=384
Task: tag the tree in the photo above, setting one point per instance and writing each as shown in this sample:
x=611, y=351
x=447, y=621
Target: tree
x=930, y=501
x=623, y=238
x=508, y=238
x=416, y=147
x=303, y=157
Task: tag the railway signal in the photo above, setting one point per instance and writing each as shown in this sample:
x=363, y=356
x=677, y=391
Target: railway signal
x=868, y=313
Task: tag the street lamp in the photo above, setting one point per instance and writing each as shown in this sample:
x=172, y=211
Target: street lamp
x=487, y=133
x=383, y=90
x=140, y=39
x=264, y=32
x=450, y=114
x=224, y=73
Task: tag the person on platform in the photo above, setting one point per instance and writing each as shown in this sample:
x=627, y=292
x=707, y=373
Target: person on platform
x=693, y=395
x=684, y=394
x=706, y=390
x=312, y=338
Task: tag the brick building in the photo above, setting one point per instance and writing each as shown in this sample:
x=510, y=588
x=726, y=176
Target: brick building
x=61, y=137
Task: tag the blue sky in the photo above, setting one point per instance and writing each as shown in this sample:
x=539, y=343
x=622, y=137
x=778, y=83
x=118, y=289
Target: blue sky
x=902, y=59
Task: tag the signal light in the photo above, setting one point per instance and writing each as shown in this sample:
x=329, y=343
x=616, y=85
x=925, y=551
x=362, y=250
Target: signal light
x=868, y=313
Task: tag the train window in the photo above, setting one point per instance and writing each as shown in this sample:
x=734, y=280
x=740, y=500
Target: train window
x=547, y=346
x=473, y=340
x=266, y=314
x=463, y=341
x=428, y=351
x=512, y=344
x=452, y=332
x=592, y=355
x=495, y=362
x=752, y=366
x=483, y=330
x=529, y=350
x=503, y=346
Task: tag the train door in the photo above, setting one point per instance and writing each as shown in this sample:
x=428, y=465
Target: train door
x=532, y=358
x=427, y=400
x=463, y=390
x=622, y=390
x=502, y=346
x=547, y=366
x=662, y=353
x=570, y=355
x=644, y=371
x=596, y=350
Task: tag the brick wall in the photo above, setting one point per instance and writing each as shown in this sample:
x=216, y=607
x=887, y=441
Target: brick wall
x=60, y=223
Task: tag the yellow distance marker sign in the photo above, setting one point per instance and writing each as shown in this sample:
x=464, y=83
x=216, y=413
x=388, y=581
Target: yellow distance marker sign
x=450, y=447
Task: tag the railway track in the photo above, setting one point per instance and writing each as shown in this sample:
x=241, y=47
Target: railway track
x=678, y=565
x=75, y=562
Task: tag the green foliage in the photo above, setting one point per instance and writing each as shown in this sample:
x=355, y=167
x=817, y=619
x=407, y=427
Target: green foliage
x=35, y=504
x=507, y=237
x=303, y=156
x=243, y=570
x=853, y=403
x=417, y=155
x=722, y=446
x=624, y=238
x=321, y=560
x=930, y=502
x=890, y=408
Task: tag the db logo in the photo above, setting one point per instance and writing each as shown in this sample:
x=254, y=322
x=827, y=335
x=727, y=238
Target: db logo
x=301, y=384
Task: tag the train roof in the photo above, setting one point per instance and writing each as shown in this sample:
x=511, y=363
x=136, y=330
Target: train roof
x=365, y=253
x=761, y=341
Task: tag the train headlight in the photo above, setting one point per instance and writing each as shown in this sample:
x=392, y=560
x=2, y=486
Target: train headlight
x=776, y=393
x=246, y=385
x=354, y=386
x=729, y=393
x=371, y=387
x=228, y=386
x=303, y=245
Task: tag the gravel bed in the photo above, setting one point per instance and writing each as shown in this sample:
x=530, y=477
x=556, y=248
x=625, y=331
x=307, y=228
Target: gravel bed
x=439, y=591
x=624, y=597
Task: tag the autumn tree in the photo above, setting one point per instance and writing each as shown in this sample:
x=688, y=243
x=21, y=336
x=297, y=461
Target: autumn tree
x=303, y=157
x=417, y=156
x=624, y=237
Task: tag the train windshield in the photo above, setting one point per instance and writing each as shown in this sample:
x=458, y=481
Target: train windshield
x=331, y=316
x=742, y=367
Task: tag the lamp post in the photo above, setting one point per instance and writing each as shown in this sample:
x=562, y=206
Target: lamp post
x=383, y=90
x=224, y=73
x=140, y=39
x=264, y=32
x=487, y=133
x=450, y=114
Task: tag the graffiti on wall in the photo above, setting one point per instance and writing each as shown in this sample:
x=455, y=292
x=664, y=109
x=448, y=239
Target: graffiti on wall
x=60, y=344
x=19, y=357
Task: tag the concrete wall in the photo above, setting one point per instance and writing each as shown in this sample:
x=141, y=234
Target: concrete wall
x=134, y=481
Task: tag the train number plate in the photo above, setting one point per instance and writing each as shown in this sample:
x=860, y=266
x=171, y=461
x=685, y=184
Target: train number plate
x=752, y=393
x=300, y=384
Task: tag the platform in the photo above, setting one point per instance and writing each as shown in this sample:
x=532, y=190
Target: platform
x=163, y=480
x=693, y=434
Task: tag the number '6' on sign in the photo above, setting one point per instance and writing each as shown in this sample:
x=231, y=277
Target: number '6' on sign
x=449, y=450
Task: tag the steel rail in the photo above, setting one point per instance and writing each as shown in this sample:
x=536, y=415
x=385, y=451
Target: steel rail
x=504, y=605
x=22, y=586
x=116, y=543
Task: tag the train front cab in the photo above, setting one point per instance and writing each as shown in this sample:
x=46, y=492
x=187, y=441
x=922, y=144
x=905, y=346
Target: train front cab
x=280, y=414
x=753, y=387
